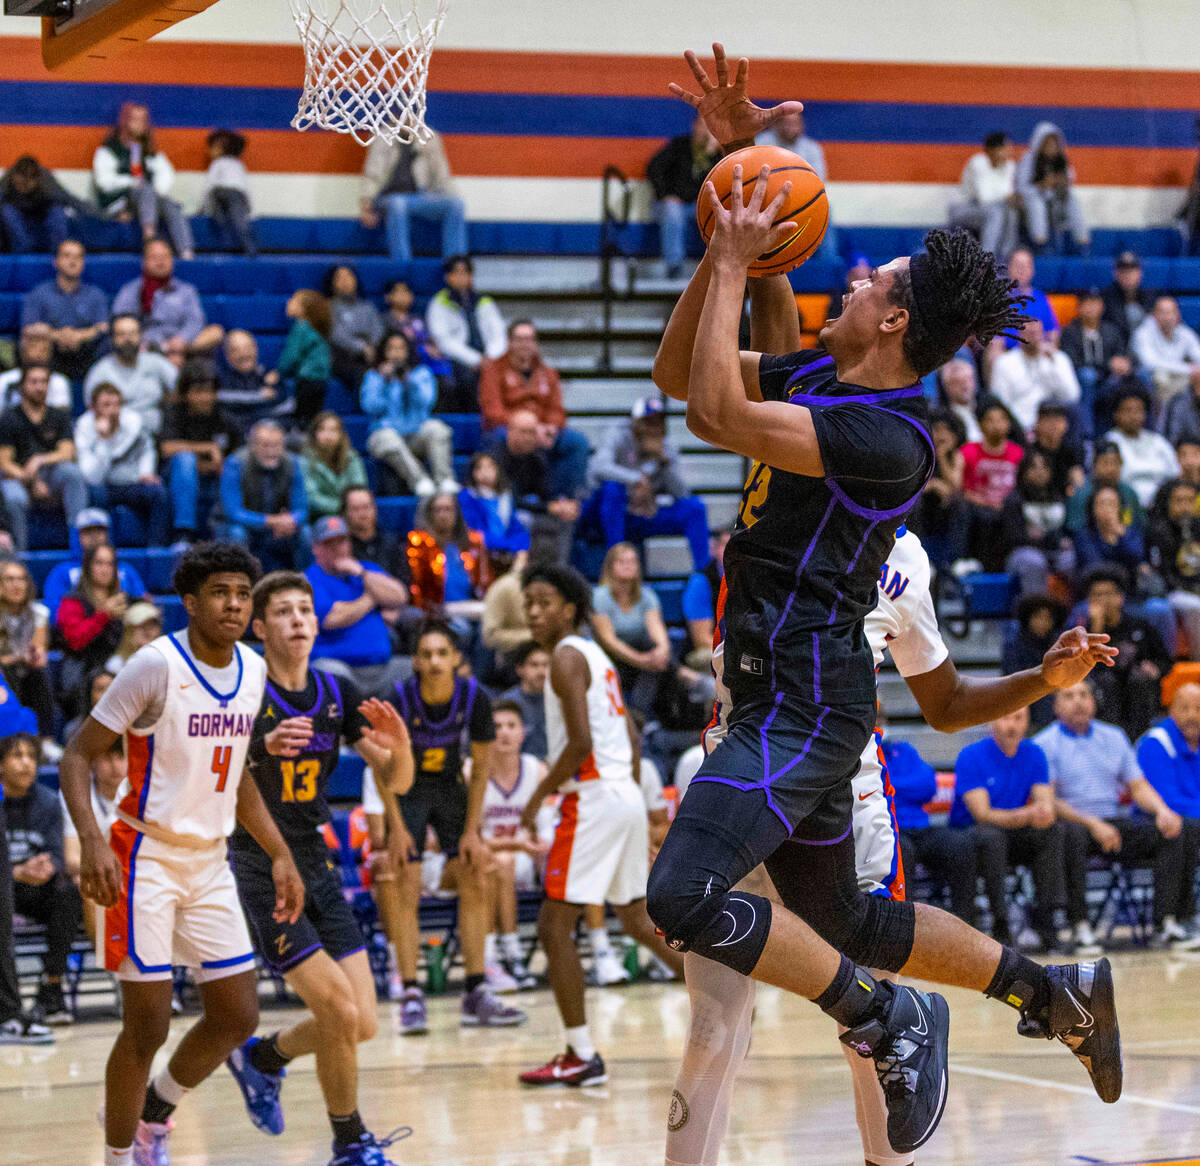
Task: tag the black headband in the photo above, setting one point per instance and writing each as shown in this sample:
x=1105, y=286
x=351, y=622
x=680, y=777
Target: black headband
x=918, y=278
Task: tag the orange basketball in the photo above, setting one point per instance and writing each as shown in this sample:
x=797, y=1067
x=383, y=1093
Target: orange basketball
x=807, y=205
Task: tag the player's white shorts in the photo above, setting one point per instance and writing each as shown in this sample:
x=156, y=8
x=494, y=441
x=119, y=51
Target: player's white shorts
x=876, y=840
x=600, y=850
x=177, y=907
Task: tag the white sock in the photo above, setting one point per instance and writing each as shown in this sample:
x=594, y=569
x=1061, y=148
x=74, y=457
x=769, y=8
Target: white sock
x=489, y=948
x=510, y=944
x=169, y=1089
x=118, y=1157
x=598, y=938
x=580, y=1039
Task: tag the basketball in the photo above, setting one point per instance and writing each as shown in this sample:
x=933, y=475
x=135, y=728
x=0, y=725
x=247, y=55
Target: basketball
x=807, y=205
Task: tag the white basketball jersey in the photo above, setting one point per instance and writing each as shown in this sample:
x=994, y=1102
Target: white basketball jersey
x=611, y=758
x=502, y=808
x=184, y=769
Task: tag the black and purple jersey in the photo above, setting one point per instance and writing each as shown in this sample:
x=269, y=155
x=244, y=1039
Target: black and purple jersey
x=439, y=731
x=802, y=568
x=294, y=787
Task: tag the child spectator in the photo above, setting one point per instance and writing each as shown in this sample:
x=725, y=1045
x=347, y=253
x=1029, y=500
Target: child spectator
x=532, y=664
x=142, y=626
x=330, y=465
x=400, y=318
x=357, y=328
x=399, y=395
x=488, y=506
x=90, y=622
x=1033, y=527
x=942, y=517
x=989, y=475
x=227, y=189
x=306, y=357
x=1038, y=619
x=23, y=642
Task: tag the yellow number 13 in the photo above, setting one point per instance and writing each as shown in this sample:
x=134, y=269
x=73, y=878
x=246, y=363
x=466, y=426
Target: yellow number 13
x=307, y=772
x=754, y=495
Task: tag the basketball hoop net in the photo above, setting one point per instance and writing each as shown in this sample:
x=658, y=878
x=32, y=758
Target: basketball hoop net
x=366, y=65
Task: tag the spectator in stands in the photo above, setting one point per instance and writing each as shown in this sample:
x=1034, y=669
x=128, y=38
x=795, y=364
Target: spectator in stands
x=227, y=190
x=1046, y=184
x=1105, y=539
x=96, y=689
x=368, y=543
x=307, y=359
x=400, y=317
x=628, y=624
x=1033, y=527
x=89, y=623
x=959, y=384
x=639, y=486
x=142, y=626
x=401, y=180
x=449, y=562
x=1096, y=350
x=1021, y=268
x=33, y=207
x=133, y=178
x=1173, y=551
x=948, y=855
x=24, y=628
x=1126, y=302
x=246, y=391
x=42, y=890
x=1002, y=789
x=37, y=456
x=1033, y=373
x=533, y=667
x=197, y=437
x=356, y=329
x=989, y=476
x=36, y=347
x=987, y=199
x=119, y=461
x=1147, y=459
x=521, y=380
x=1038, y=618
x=331, y=465
x=1106, y=471
x=1091, y=765
x=700, y=600
x=504, y=626
x=676, y=173
x=467, y=329
x=349, y=598
x=399, y=396
x=942, y=516
x=76, y=312
x=1187, y=450
x=91, y=529
x=146, y=379
x=1168, y=351
x=489, y=507
x=262, y=503
x=1064, y=454
x=172, y=316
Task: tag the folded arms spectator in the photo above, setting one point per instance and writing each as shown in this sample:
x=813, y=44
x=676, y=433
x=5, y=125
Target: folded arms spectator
x=1147, y=459
x=76, y=312
x=1032, y=374
x=145, y=379
x=1126, y=302
x=1168, y=352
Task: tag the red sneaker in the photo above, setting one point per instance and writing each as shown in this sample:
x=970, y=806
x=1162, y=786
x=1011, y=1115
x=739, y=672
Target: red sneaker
x=568, y=1069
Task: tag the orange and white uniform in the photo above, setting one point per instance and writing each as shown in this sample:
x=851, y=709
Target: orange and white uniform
x=599, y=854
x=187, y=731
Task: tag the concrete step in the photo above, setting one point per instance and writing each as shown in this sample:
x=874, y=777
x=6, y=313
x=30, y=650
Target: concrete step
x=566, y=347
x=587, y=363
x=594, y=427
x=722, y=509
x=668, y=557
x=713, y=471
x=605, y=395
x=563, y=311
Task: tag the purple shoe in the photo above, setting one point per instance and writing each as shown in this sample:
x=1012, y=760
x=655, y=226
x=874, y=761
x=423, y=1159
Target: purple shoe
x=482, y=1008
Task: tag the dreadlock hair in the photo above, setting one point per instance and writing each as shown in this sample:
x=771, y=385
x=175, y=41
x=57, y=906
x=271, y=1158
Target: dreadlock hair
x=954, y=290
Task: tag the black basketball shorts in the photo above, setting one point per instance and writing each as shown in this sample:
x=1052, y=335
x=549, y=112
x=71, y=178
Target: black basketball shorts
x=441, y=804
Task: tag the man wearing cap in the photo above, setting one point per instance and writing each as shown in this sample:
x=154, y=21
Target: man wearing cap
x=639, y=487
x=90, y=529
x=348, y=596
x=1126, y=302
x=1095, y=348
x=1168, y=350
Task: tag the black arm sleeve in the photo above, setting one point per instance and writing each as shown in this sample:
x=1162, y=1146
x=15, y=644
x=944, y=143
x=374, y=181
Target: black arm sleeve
x=353, y=722
x=482, y=728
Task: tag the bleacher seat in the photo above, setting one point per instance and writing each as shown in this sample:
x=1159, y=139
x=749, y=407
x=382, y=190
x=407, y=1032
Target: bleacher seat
x=346, y=781
x=1189, y=308
x=989, y=595
x=174, y=616
x=396, y=514
x=670, y=595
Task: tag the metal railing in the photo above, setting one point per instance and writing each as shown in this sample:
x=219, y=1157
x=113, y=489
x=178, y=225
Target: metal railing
x=616, y=198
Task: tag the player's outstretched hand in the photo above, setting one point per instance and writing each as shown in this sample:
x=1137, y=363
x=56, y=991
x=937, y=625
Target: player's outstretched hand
x=387, y=729
x=290, y=737
x=1073, y=656
x=747, y=229
x=289, y=890
x=729, y=114
x=100, y=874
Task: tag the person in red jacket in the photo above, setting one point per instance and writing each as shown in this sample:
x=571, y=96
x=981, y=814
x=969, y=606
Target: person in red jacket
x=90, y=622
x=521, y=380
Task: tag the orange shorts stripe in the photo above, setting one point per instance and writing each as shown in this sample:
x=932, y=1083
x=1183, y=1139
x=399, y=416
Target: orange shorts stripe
x=116, y=919
x=896, y=886
x=558, y=861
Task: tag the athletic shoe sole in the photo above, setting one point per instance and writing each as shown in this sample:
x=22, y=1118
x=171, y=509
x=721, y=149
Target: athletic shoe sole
x=1105, y=1065
x=469, y=1021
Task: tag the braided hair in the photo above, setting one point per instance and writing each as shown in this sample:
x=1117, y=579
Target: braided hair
x=954, y=290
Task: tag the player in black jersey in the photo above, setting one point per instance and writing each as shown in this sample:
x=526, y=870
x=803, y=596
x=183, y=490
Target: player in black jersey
x=443, y=711
x=306, y=714
x=840, y=455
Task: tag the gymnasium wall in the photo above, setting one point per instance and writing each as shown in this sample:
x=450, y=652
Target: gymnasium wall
x=900, y=95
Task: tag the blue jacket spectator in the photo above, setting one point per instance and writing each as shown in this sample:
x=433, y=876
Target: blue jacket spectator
x=92, y=528
x=1008, y=780
x=76, y=312
x=914, y=782
x=1169, y=755
x=488, y=506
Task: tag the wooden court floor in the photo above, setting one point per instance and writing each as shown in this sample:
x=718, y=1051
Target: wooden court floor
x=1012, y=1100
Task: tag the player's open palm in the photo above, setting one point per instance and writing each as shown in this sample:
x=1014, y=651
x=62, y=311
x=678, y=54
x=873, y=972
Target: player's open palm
x=387, y=730
x=747, y=229
x=1073, y=656
x=289, y=890
x=729, y=114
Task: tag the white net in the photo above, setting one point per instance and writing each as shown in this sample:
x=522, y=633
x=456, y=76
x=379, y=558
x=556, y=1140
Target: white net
x=366, y=64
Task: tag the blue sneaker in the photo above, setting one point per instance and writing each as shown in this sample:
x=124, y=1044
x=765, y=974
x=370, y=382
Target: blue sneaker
x=261, y=1090
x=367, y=1151
x=150, y=1143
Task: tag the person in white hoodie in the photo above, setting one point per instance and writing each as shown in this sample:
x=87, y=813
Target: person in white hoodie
x=467, y=327
x=1046, y=184
x=117, y=457
x=1033, y=373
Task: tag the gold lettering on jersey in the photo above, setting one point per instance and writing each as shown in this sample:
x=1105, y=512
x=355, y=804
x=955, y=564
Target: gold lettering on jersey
x=754, y=495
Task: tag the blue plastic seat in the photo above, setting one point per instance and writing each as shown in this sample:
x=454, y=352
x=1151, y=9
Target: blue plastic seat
x=396, y=514
x=467, y=429
x=670, y=595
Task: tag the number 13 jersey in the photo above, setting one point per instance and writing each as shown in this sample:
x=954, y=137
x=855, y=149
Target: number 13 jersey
x=611, y=758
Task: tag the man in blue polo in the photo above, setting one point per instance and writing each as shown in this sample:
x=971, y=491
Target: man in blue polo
x=350, y=597
x=76, y=312
x=1002, y=789
x=1170, y=758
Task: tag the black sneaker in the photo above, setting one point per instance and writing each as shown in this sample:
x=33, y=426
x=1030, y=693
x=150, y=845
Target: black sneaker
x=1082, y=1014
x=908, y=1047
x=52, y=1007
